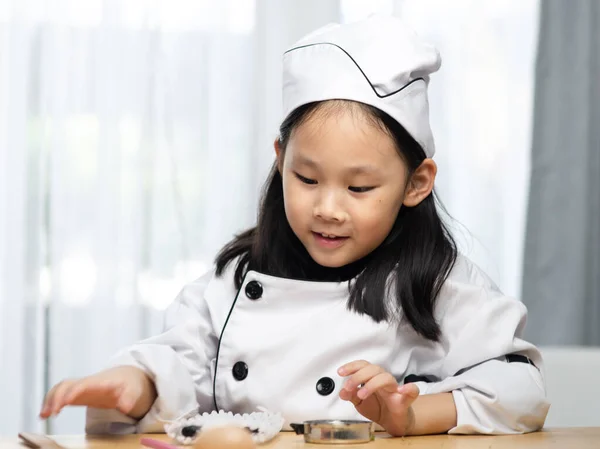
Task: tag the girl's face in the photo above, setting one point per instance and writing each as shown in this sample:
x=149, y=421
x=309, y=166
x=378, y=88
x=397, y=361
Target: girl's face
x=343, y=185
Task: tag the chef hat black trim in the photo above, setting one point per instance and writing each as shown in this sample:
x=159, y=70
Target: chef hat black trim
x=359, y=68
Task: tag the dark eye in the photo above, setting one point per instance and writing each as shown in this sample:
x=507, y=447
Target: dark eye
x=360, y=189
x=305, y=180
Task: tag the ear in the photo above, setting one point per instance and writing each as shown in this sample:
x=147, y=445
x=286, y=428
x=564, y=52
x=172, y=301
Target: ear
x=420, y=183
x=278, y=154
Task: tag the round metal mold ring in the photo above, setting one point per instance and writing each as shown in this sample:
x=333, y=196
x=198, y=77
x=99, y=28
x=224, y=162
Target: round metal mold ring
x=336, y=431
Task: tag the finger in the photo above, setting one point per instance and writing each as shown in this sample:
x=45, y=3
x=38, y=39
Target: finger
x=89, y=392
x=362, y=376
x=410, y=392
x=49, y=401
x=352, y=367
x=90, y=385
x=103, y=393
x=58, y=399
x=381, y=382
x=126, y=401
x=350, y=396
x=74, y=392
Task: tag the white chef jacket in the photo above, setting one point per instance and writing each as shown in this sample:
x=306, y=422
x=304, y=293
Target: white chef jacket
x=277, y=343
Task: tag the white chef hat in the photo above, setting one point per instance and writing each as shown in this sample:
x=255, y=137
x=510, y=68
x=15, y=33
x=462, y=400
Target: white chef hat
x=378, y=61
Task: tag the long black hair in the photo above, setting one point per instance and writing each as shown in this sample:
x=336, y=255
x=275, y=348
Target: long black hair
x=412, y=263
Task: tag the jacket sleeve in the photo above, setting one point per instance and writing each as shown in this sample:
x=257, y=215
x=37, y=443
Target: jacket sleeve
x=480, y=327
x=177, y=360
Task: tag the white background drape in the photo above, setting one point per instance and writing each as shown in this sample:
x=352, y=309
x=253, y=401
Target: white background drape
x=135, y=136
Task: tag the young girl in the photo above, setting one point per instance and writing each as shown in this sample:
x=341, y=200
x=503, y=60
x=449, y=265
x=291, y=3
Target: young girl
x=348, y=299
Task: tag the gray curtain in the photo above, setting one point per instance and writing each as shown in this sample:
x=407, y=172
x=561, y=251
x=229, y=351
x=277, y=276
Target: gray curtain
x=561, y=276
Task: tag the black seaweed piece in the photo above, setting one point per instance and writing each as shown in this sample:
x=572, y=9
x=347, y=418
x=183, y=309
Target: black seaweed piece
x=190, y=431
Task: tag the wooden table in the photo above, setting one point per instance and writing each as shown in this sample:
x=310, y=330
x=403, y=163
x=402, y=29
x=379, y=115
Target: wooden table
x=577, y=438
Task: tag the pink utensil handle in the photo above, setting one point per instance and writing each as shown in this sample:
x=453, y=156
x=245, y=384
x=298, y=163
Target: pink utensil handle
x=156, y=444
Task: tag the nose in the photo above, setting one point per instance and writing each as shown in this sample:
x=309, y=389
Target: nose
x=329, y=208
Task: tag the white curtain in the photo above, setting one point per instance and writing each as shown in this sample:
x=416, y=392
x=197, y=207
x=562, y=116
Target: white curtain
x=481, y=107
x=135, y=135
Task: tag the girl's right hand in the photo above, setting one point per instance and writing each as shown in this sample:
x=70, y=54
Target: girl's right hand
x=124, y=388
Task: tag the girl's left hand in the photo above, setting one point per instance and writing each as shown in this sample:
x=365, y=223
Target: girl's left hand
x=380, y=398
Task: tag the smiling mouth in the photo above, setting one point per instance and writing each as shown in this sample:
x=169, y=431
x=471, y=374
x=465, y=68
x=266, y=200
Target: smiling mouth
x=329, y=240
x=330, y=236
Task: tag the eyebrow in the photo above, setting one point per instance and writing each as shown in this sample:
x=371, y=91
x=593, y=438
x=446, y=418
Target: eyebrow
x=355, y=170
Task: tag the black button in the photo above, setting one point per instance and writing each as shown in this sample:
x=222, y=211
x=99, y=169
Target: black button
x=414, y=378
x=254, y=290
x=325, y=386
x=240, y=371
x=511, y=358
